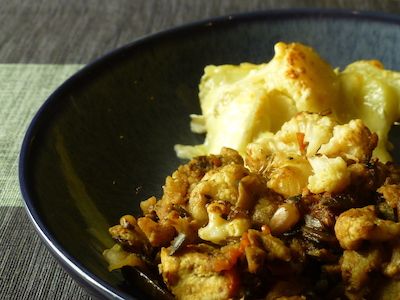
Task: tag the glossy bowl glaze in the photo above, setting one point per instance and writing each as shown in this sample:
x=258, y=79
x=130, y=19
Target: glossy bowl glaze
x=104, y=140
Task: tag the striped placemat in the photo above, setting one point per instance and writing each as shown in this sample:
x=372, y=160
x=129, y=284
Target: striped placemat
x=27, y=269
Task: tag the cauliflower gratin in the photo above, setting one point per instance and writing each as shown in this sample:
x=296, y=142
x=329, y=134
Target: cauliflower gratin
x=305, y=208
x=241, y=104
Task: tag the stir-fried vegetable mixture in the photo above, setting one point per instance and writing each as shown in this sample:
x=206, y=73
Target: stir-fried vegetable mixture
x=308, y=215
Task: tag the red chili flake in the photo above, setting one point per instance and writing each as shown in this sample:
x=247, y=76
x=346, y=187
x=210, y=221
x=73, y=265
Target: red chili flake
x=217, y=162
x=300, y=141
x=265, y=229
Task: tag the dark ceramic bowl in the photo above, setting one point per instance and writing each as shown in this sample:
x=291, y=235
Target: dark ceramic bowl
x=104, y=140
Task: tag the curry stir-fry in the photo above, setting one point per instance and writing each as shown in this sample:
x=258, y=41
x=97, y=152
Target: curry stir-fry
x=305, y=211
x=266, y=229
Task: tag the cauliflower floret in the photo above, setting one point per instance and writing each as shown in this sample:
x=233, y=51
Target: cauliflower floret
x=283, y=158
x=352, y=141
x=220, y=228
x=358, y=224
x=311, y=150
x=305, y=133
x=301, y=135
x=330, y=174
x=290, y=175
x=219, y=184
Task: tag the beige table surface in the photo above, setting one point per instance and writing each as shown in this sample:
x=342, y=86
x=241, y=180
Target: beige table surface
x=42, y=43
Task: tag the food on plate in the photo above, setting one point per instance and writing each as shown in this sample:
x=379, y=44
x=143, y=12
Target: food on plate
x=243, y=103
x=297, y=205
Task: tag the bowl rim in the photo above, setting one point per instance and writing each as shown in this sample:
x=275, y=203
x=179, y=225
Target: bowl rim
x=75, y=269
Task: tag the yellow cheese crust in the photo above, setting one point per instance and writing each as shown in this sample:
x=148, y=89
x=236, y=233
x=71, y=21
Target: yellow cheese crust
x=243, y=103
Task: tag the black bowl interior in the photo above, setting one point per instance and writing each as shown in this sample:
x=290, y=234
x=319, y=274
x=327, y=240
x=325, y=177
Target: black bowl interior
x=104, y=140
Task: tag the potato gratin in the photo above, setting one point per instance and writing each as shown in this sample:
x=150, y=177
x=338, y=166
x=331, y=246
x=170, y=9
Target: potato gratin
x=293, y=195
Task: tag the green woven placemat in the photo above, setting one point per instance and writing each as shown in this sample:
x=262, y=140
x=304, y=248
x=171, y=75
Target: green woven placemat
x=27, y=269
x=23, y=89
